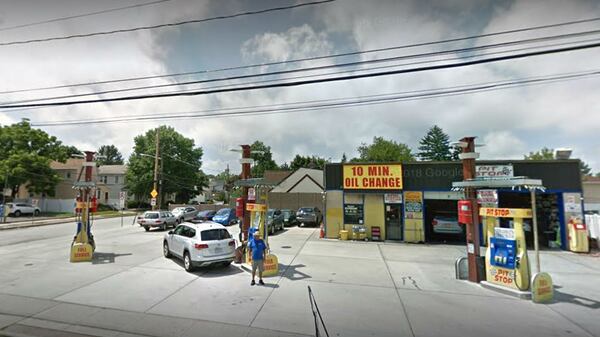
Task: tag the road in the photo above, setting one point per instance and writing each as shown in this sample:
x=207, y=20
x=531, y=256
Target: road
x=362, y=289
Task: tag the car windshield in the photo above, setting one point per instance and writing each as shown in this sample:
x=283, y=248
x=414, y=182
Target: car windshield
x=223, y=211
x=214, y=234
x=286, y=213
x=151, y=216
x=306, y=210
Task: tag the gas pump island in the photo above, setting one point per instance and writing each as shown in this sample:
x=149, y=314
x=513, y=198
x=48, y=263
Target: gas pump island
x=83, y=245
x=258, y=224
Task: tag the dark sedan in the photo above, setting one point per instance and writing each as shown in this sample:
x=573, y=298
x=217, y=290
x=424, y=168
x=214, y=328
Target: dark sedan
x=204, y=216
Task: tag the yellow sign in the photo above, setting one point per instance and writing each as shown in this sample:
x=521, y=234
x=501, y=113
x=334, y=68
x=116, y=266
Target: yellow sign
x=542, y=290
x=153, y=193
x=506, y=212
x=256, y=207
x=271, y=265
x=81, y=252
x=373, y=177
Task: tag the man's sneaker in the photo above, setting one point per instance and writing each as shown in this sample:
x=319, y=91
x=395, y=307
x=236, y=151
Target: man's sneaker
x=252, y=283
x=261, y=282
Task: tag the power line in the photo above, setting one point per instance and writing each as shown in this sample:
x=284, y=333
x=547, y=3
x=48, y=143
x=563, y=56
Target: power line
x=83, y=15
x=315, y=81
x=174, y=24
x=310, y=58
x=309, y=69
x=342, y=102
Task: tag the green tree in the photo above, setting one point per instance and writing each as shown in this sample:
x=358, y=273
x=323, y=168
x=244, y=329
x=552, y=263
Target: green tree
x=383, y=150
x=180, y=165
x=344, y=158
x=311, y=162
x=111, y=155
x=72, y=150
x=586, y=170
x=284, y=167
x=435, y=146
x=263, y=159
x=543, y=154
x=25, y=157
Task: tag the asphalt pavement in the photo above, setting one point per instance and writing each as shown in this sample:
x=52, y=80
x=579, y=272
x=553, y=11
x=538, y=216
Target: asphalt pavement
x=361, y=288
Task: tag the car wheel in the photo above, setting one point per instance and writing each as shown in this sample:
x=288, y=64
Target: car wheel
x=146, y=228
x=226, y=264
x=17, y=213
x=166, y=251
x=36, y=212
x=187, y=262
x=272, y=231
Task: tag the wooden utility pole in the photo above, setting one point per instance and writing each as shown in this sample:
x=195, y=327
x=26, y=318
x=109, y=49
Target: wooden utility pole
x=156, y=163
x=468, y=157
x=245, y=175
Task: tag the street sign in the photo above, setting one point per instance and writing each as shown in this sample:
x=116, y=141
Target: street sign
x=122, y=195
x=35, y=202
x=153, y=202
x=251, y=193
x=154, y=194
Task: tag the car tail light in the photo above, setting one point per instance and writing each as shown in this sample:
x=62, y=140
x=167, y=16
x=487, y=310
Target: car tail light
x=200, y=245
x=434, y=222
x=159, y=222
x=232, y=243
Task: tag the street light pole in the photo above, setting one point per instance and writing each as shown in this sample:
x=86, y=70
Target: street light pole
x=156, y=162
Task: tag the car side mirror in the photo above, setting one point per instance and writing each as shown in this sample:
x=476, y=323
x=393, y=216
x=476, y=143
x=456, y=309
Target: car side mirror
x=171, y=232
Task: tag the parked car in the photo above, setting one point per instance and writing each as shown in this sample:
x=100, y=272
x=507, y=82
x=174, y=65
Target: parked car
x=446, y=225
x=184, y=213
x=274, y=220
x=309, y=215
x=18, y=209
x=160, y=219
x=204, y=216
x=225, y=216
x=289, y=217
x=200, y=245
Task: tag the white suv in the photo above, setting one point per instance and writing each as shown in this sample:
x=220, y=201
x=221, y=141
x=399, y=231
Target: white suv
x=18, y=209
x=200, y=244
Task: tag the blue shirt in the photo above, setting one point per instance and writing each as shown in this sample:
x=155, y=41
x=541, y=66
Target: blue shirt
x=257, y=247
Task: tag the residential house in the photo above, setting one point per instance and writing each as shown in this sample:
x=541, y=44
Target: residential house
x=111, y=183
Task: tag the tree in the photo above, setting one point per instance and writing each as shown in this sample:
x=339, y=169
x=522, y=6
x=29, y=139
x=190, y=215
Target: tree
x=180, y=165
x=284, y=167
x=383, y=150
x=344, y=158
x=72, y=150
x=544, y=154
x=435, y=146
x=586, y=170
x=111, y=154
x=311, y=162
x=25, y=157
x=263, y=159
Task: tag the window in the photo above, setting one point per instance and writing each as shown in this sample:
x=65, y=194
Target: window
x=105, y=195
x=215, y=234
x=191, y=232
x=68, y=175
x=353, y=214
x=179, y=230
x=105, y=179
x=153, y=215
x=116, y=179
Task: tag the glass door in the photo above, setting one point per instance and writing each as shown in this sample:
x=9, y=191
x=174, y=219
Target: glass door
x=393, y=222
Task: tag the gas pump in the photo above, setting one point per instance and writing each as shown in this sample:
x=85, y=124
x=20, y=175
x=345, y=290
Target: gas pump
x=83, y=246
x=258, y=224
x=506, y=260
x=578, y=235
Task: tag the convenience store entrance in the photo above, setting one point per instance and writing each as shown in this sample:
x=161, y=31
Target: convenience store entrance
x=393, y=222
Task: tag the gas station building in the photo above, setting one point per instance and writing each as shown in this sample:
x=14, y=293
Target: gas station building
x=415, y=202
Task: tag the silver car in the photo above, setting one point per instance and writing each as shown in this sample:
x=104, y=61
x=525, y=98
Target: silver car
x=184, y=213
x=18, y=209
x=160, y=219
x=309, y=215
x=200, y=244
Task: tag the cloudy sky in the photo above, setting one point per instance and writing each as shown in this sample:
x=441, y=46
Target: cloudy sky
x=510, y=122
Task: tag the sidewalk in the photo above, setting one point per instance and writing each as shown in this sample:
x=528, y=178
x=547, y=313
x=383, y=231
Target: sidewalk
x=55, y=221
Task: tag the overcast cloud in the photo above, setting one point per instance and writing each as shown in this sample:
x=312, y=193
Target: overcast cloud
x=510, y=122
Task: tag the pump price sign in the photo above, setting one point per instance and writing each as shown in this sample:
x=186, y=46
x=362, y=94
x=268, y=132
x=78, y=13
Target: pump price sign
x=373, y=177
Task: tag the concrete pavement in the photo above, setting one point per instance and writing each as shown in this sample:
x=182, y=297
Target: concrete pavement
x=362, y=289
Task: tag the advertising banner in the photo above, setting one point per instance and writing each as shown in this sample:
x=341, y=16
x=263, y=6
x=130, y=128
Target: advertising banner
x=373, y=177
x=413, y=217
x=494, y=171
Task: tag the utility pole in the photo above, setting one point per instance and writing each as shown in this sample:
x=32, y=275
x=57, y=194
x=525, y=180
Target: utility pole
x=4, y=197
x=156, y=162
x=245, y=175
x=468, y=157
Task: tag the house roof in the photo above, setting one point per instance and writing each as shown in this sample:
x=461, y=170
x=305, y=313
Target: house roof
x=70, y=164
x=591, y=180
x=275, y=177
x=303, y=180
x=112, y=169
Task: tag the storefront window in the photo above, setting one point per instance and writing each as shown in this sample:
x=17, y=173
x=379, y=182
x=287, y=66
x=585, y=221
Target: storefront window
x=353, y=214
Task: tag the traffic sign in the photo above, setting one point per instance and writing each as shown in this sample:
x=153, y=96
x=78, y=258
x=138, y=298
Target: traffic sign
x=122, y=195
x=153, y=202
x=154, y=194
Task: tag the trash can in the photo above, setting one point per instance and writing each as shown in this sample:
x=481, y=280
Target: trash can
x=343, y=235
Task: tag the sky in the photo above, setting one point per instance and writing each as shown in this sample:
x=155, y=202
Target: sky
x=509, y=123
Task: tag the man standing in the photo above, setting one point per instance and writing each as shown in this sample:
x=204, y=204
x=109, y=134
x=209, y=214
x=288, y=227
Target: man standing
x=258, y=249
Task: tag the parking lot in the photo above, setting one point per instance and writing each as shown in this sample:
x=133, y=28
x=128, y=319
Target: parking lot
x=362, y=289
